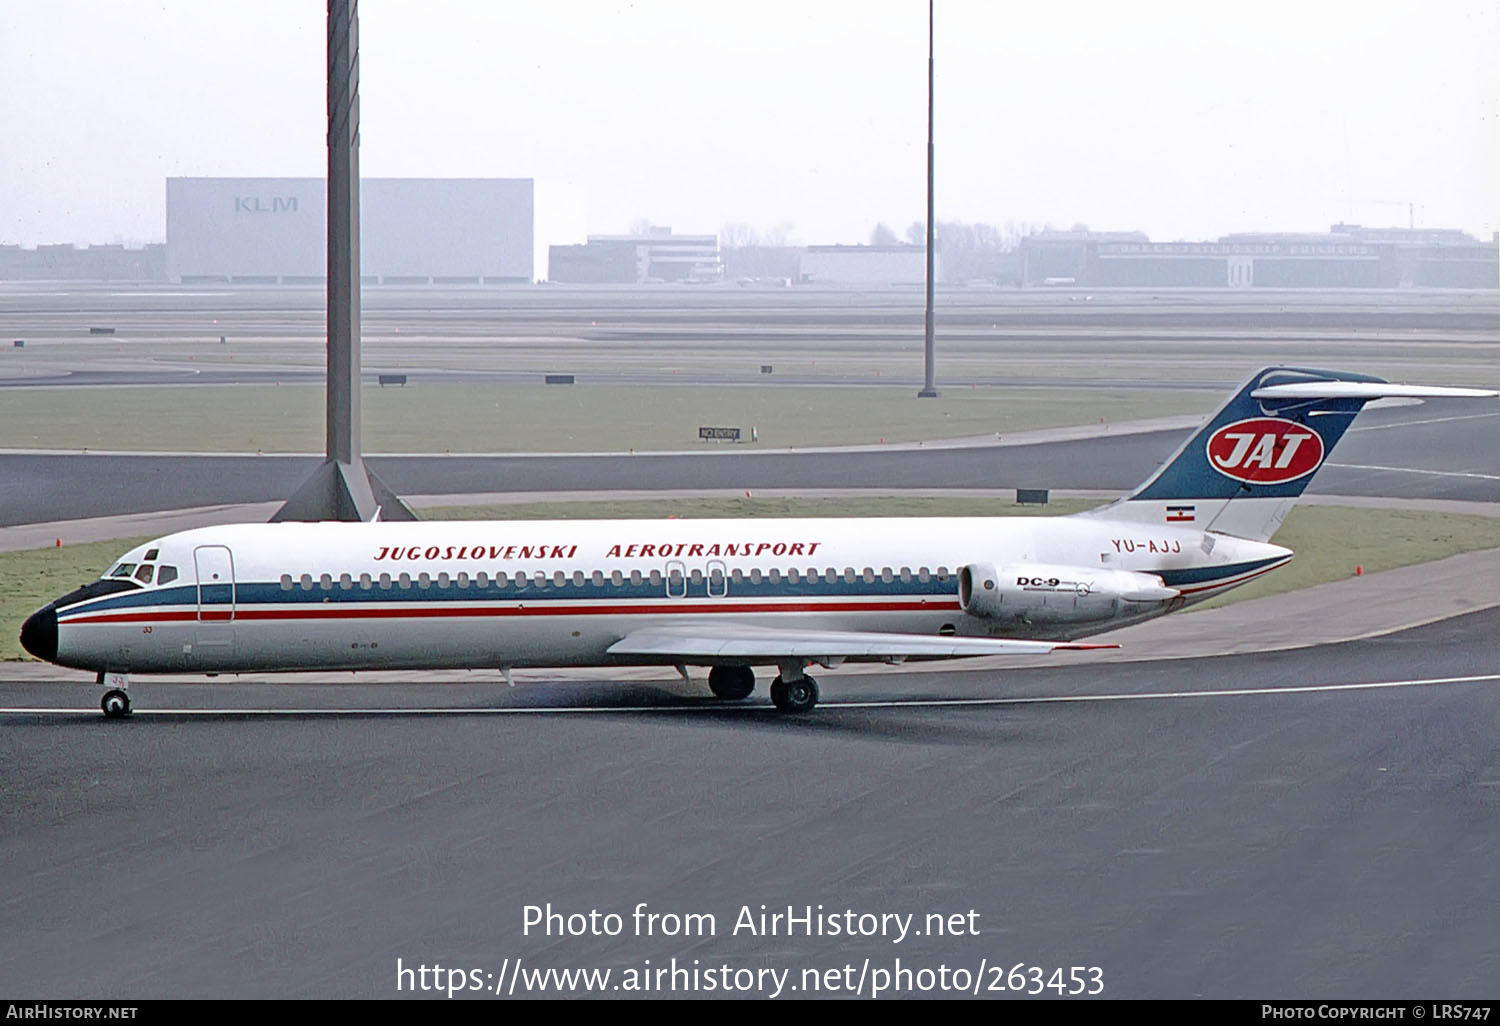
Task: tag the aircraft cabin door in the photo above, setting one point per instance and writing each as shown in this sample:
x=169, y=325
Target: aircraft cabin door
x=216, y=595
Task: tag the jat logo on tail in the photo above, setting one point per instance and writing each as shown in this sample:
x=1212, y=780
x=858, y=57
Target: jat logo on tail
x=1264, y=450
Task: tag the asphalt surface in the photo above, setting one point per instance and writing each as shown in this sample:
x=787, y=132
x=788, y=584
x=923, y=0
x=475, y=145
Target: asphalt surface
x=1292, y=844
x=1432, y=451
x=1226, y=826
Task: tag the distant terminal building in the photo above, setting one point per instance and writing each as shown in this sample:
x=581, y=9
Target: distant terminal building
x=90, y=263
x=657, y=255
x=1347, y=256
x=866, y=265
x=412, y=230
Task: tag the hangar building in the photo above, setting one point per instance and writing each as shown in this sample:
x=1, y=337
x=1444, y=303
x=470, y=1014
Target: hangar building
x=867, y=265
x=412, y=230
x=1347, y=256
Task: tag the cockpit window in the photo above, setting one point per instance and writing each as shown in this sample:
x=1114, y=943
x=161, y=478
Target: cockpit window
x=166, y=575
x=123, y=570
x=144, y=573
x=152, y=554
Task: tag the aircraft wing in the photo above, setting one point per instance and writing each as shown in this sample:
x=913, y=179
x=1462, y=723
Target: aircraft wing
x=688, y=641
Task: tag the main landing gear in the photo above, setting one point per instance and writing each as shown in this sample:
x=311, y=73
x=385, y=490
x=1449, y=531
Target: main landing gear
x=797, y=695
x=116, y=701
x=731, y=683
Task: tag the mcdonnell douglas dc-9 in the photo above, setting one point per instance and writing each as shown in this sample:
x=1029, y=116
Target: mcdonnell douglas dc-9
x=728, y=594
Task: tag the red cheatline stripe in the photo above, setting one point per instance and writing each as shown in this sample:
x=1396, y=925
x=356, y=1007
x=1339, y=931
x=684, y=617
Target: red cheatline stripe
x=549, y=609
x=1231, y=580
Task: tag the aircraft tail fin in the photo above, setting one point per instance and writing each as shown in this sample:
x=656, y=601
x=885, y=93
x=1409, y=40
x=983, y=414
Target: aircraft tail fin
x=1242, y=471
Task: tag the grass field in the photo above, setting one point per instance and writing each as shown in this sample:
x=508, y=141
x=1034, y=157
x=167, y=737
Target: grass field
x=539, y=418
x=1330, y=541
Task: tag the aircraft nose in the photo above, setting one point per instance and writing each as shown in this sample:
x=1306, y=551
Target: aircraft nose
x=39, y=634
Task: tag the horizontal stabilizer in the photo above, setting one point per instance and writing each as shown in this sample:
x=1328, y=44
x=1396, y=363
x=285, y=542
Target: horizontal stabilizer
x=740, y=641
x=1367, y=390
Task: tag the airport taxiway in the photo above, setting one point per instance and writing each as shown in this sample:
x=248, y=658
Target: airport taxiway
x=1240, y=836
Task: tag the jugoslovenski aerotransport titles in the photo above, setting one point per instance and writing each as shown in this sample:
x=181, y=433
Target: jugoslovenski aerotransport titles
x=731, y=595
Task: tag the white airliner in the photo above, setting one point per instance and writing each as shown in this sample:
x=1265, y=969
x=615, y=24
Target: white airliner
x=728, y=594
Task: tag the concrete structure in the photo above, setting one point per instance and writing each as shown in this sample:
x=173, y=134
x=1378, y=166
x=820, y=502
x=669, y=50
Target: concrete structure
x=93, y=263
x=1347, y=256
x=867, y=265
x=414, y=230
x=657, y=255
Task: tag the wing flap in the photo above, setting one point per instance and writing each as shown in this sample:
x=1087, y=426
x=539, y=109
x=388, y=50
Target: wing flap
x=740, y=641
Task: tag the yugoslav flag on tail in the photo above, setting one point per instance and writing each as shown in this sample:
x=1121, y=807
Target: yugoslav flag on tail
x=1241, y=473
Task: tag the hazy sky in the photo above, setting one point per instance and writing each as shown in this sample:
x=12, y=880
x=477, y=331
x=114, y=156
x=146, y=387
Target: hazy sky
x=1185, y=120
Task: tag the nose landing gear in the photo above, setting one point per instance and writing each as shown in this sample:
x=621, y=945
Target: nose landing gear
x=116, y=701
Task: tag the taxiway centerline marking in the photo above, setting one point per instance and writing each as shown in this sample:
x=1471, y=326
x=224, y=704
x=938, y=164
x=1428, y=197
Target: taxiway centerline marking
x=895, y=703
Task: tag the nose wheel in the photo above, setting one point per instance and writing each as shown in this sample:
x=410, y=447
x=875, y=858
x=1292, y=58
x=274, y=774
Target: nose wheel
x=115, y=703
x=794, y=696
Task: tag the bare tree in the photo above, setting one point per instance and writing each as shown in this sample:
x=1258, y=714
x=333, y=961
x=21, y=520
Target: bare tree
x=916, y=233
x=737, y=235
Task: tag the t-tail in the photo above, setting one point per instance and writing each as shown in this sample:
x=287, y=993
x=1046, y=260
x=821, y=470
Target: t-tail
x=1241, y=473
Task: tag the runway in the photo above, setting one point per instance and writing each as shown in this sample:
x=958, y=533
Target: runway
x=1236, y=839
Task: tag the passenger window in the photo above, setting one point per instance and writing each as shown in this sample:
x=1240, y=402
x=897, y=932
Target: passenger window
x=924, y=575
x=144, y=573
x=737, y=575
x=696, y=576
x=286, y=579
x=792, y=575
x=887, y=575
x=812, y=575
x=326, y=582
x=481, y=580
x=656, y=577
x=906, y=575
x=849, y=575
x=598, y=578
x=306, y=582
x=404, y=581
x=442, y=579
x=539, y=579
x=755, y=575
x=559, y=578
x=462, y=580
x=502, y=579
x=616, y=578
x=635, y=577
x=521, y=581
x=773, y=575
x=168, y=574
x=942, y=573
x=346, y=582
x=385, y=582
x=869, y=575
x=366, y=582
x=578, y=578
x=424, y=580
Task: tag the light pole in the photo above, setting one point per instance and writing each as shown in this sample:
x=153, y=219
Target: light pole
x=929, y=389
x=342, y=488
